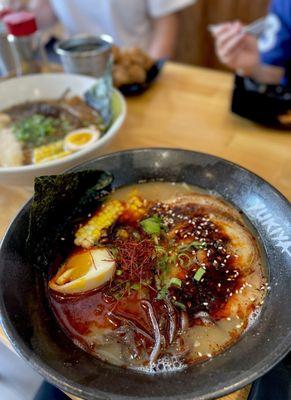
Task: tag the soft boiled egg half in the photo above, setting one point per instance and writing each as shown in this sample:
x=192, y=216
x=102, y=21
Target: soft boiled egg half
x=81, y=138
x=83, y=271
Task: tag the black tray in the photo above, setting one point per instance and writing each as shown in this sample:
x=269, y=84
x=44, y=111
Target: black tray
x=261, y=103
x=275, y=385
x=135, y=89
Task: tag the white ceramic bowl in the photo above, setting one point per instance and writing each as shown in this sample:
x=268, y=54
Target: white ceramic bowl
x=52, y=86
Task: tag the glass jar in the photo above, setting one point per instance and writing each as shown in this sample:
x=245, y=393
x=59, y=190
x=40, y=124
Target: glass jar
x=25, y=41
x=7, y=61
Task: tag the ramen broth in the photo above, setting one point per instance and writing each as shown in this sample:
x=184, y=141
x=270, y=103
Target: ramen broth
x=194, y=289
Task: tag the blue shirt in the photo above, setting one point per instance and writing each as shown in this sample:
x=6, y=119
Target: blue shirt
x=275, y=43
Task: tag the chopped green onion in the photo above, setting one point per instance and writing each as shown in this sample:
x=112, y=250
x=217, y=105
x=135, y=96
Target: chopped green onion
x=198, y=274
x=199, y=245
x=176, y=282
x=179, y=305
x=195, y=244
x=162, y=263
x=165, y=228
x=113, y=251
x=162, y=293
x=135, y=286
x=185, y=264
x=118, y=272
x=160, y=249
x=172, y=259
x=118, y=296
x=152, y=225
x=38, y=129
x=158, y=282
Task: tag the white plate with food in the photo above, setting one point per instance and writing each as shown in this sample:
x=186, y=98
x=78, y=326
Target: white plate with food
x=46, y=125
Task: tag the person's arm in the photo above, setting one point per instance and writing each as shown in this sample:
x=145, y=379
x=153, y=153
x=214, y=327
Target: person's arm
x=240, y=52
x=164, y=37
x=41, y=8
x=44, y=13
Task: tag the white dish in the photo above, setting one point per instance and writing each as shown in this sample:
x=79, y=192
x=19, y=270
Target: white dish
x=51, y=86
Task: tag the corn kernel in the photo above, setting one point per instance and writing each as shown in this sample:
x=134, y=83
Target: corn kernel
x=135, y=205
x=90, y=233
x=49, y=152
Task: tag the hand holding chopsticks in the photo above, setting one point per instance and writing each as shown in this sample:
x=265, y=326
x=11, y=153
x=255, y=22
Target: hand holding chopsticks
x=235, y=48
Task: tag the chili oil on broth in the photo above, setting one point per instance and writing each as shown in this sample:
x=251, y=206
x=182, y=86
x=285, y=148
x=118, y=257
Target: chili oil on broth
x=147, y=328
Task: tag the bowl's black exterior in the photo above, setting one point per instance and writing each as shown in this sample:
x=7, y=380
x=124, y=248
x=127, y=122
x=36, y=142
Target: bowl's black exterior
x=36, y=336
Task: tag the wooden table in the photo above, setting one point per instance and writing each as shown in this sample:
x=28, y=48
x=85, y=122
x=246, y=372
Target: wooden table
x=188, y=108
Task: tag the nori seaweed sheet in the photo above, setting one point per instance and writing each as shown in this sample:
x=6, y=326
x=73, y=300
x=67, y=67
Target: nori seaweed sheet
x=60, y=202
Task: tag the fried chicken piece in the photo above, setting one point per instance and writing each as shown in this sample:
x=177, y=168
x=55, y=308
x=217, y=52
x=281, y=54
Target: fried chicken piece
x=120, y=75
x=130, y=66
x=136, y=74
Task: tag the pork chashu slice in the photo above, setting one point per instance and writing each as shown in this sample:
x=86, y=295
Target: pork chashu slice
x=241, y=243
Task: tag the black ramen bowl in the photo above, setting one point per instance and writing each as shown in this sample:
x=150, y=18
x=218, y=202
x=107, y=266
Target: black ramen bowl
x=36, y=336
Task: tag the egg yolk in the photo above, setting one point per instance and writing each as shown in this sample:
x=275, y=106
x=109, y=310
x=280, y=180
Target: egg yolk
x=80, y=138
x=76, y=266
